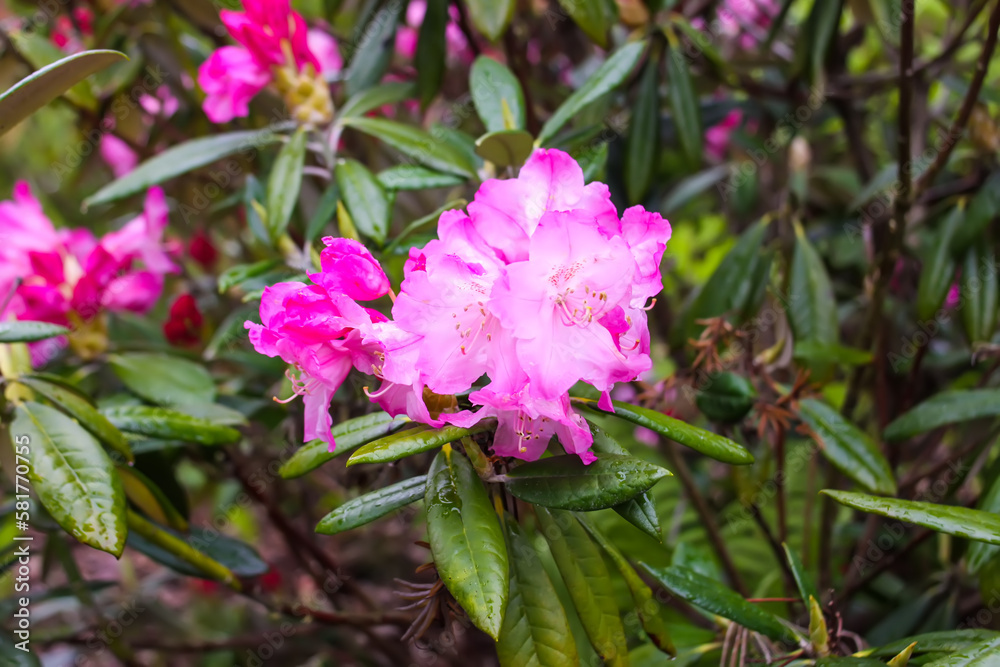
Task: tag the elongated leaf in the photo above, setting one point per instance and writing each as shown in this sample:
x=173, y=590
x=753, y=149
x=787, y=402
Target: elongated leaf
x=365, y=509
x=979, y=293
x=706, y=442
x=948, y=407
x=35, y=91
x=377, y=96
x=415, y=177
x=505, y=148
x=466, y=540
x=946, y=641
x=938, y=271
x=684, y=104
x=979, y=214
x=26, y=331
x=177, y=553
x=430, y=55
x=642, y=144
x=593, y=16
x=491, y=17
x=419, y=145
x=12, y=656
x=284, y=184
x=692, y=186
x=848, y=448
x=813, y=351
x=413, y=441
x=565, y=482
x=586, y=577
x=812, y=307
x=535, y=629
x=957, y=521
x=715, y=597
x=163, y=379
x=325, y=210
x=169, y=425
x=81, y=410
x=821, y=26
x=366, y=200
x=981, y=655
x=181, y=159
x=150, y=498
x=640, y=510
x=347, y=436
x=73, y=477
x=607, y=77
x=372, y=54
x=979, y=553
x=425, y=221
x=805, y=584
x=235, y=275
x=493, y=88
x=726, y=397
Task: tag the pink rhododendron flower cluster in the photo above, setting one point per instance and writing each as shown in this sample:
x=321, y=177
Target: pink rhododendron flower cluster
x=275, y=46
x=540, y=286
x=68, y=276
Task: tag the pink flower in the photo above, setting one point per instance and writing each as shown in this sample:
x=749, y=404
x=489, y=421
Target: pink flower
x=746, y=19
x=717, y=136
x=118, y=155
x=408, y=35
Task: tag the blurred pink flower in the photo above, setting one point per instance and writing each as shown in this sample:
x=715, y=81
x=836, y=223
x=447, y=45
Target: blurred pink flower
x=118, y=155
x=407, y=36
x=717, y=137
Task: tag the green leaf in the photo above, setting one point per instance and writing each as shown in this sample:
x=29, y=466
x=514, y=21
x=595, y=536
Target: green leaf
x=726, y=397
x=979, y=214
x=284, y=183
x=412, y=441
x=26, y=331
x=377, y=96
x=715, y=597
x=607, y=77
x=805, y=584
x=181, y=159
x=150, y=498
x=981, y=655
x=163, y=379
x=821, y=26
x=181, y=555
x=684, y=104
x=235, y=275
x=326, y=208
x=979, y=553
x=979, y=293
x=366, y=200
x=812, y=351
x=430, y=56
x=466, y=540
x=643, y=142
x=491, y=17
x=73, y=477
x=420, y=223
x=706, y=442
x=848, y=448
x=424, y=148
x=365, y=509
x=415, y=177
x=692, y=186
x=639, y=510
x=505, y=148
x=35, y=91
x=938, y=272
x=812, y=306
x=902, y=659
x=170, y=425
x=566, y=482
x=372, y=55
x=253, y=208
x=594, y=17
x=493, y=88
x=80, y=409
x=535, y=629
x=957, y=521
x=945, y=641
x=947, y=407
x=587, y=581
x=11, y=656
x=348, y=436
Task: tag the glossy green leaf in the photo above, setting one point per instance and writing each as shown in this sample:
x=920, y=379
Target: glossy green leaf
x=692, y=186
x=73, y=477
x=373, y=49
x=639, y=510
x=284, y=184
x=565, y=482
x=685, y=107
x=984, y=654
x=980, y=553
x=27, y=331
x=505, y=148
x=466, y=540
x=642, y=145
x=594, y=17
x=167, y=424
x=163, y=379
x=38, y=89
x=80, y=409
x=376, y=504
x=945, y=641
x=491, y=17
x=608, y=76
x=535, y=629
x=706, y=442
x=425, y=148
x=586, y=577
x=429, y=58
x=254, y=196
x=415, y=177
x=812, y=351
x=938, y=271
x=726, y=397
x=494, y=88
x=715, y=597
x=235, y=275
x=805, y=584
x=181, y=159
x=326, y=209
x=948, y=519
x=12, y=656
x=412, y=441
x=812, y=306
x=821, y=26
x=150, y=498
x=365, y=199
x=947, y=407
x=376, y=97
x=348, y=436
x=848, y=448
x=190, y=554
x=979, y=293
